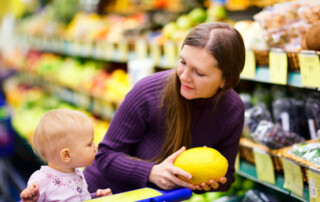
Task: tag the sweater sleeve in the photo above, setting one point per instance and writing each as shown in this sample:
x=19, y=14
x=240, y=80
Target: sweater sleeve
x=125, y=131
x=230, y=145
x=230, y=150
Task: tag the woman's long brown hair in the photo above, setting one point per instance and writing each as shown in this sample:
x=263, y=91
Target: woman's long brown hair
x=227, y=47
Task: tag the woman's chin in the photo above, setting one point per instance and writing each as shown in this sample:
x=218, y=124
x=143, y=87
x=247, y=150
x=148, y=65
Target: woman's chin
x=187, y=96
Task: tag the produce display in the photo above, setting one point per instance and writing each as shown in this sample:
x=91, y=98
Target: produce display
x=273, y=136
x=308, y=151
x=280, y=120
x=203, y=163
x=31, y=103
x=283, y=26
x=61, y=31
x=91, y=77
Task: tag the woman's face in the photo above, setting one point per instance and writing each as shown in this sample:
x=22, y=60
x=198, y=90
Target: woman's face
x=198, y=73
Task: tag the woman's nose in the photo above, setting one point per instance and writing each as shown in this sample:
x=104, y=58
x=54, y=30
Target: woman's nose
x=185, y=76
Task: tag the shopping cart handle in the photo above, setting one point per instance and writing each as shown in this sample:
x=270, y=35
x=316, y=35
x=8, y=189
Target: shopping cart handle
x=173, y=195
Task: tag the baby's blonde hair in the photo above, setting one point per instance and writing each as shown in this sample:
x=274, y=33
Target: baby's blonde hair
x=56, y=129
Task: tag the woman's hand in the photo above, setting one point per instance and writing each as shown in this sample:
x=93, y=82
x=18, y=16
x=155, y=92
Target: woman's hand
x=164, y=175
x=211, y=185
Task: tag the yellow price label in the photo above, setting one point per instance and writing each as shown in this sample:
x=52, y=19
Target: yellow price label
x=293, y=180
x=170, y=54
x=141, y=49
x=264, y=166
x=237, y=163
x=278, y=65
x=314, y=186
x=309, y=69
x=123, y=49
x=249, y=69
x=155, y=52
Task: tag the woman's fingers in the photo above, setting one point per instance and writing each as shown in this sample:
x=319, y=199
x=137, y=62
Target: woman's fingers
x=223, y=180
x=214, y=184
x=198, y=187
x=205, y=186
x=175, y=155
x=178, y=171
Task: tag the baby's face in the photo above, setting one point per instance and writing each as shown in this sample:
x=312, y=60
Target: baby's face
x=83, y=149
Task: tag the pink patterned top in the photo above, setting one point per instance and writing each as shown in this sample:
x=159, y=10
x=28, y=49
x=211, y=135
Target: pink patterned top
x=58, y=186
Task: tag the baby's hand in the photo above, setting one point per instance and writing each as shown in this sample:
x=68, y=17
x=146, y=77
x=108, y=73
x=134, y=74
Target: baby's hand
x=103, y=192
x=30, y=194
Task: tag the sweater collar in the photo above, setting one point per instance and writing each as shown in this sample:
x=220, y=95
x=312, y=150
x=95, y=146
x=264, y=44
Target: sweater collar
x=204, y=103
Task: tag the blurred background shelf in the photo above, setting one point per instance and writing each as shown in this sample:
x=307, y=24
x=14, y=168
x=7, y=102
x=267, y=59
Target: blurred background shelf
x=249, y=171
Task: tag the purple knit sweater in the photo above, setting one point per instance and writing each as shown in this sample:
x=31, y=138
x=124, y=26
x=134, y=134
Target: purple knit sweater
x=137, y=131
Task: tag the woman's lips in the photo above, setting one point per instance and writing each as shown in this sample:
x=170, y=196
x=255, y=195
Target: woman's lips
x=186, y=87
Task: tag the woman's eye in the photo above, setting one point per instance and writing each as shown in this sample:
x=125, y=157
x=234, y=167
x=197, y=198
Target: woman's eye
x=199, y=74
x=182, y=62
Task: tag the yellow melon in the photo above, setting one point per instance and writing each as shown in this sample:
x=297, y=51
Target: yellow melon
x=203, y=163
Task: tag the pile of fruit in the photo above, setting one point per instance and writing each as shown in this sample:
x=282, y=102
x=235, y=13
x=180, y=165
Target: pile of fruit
x=88, y=76
x=31, y=103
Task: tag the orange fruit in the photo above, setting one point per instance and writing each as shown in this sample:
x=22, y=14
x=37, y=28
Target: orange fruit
x=203, y=163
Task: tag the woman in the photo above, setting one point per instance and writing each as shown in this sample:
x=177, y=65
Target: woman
x=169, y=111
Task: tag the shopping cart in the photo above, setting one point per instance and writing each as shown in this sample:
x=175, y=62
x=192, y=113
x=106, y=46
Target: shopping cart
x=11, y=182
x=148, y=195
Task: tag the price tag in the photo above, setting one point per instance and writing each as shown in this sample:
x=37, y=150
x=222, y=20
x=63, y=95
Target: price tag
x=170, y=54
x=293, y=180
x=264, y=166
x=314, y=186
x=309, y=69
x=237, y=163
x=155, y=52
x=141, y=49
x=249, y=70
x=109, y=51
x=123, y=49
x=278, y=64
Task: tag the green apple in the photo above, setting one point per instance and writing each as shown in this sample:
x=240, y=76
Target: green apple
x=184, y=22
x=217, y=13
x=197, y=15
x=169, y=29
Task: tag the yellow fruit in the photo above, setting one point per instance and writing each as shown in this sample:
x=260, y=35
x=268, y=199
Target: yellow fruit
x=203, y=163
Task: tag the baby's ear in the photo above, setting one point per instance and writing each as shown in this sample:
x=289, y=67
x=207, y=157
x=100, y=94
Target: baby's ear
x=65, y=155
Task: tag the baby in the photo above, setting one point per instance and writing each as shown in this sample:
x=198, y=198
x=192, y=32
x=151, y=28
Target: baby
x=63, y=139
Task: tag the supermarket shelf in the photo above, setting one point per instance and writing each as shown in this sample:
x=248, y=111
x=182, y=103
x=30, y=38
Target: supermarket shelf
x=262, y=75
x=249, y=171
x=97, y=104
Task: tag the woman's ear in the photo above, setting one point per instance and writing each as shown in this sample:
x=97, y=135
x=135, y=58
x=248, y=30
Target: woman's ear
x=65, y=155
x=223, y=83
